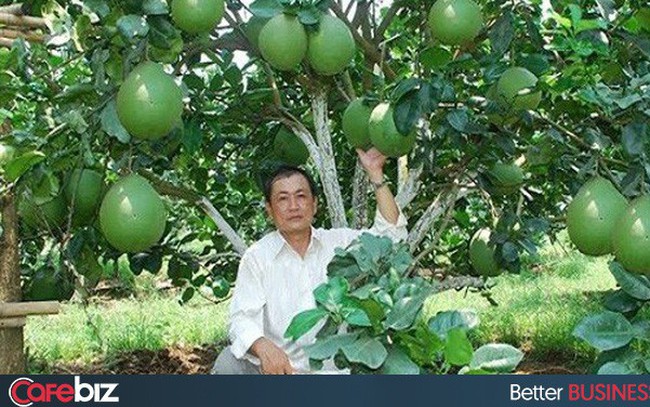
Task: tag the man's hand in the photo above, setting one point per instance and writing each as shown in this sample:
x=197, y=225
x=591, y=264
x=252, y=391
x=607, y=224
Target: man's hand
x=273, y=359
x=373, y=162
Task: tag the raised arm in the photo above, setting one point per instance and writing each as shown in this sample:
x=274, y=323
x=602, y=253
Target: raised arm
x=373, y=162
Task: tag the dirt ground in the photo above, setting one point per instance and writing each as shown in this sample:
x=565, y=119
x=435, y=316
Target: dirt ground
x=198, y=360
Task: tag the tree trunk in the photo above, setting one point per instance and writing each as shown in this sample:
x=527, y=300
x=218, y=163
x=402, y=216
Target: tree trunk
x=359, y=198
x=12, y=355
x=329, y=177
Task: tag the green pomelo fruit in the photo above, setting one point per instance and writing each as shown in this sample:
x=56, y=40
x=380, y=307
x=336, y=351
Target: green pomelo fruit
x=481, y=254
x=289, y=148
x=455, y=22
x=592, y=216
x=197, y=16
x=83, y=193
x=253, y=28
x=355, y=124
x=7, y=153
x=283, y=42
x=47, y=284
x=384, y=135
x=46, y=216
x=631, y=236
x=511, y=83
x=132, y=215
x=149, y=103
x=331, y=48
x=506, y=178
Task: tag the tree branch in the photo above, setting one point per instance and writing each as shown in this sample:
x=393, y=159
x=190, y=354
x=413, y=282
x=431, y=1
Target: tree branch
x=409, y=189
x=169, y=189
x=367, y=48
x=388, y=18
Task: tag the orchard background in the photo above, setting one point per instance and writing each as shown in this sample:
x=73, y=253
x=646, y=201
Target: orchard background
x=500, y=155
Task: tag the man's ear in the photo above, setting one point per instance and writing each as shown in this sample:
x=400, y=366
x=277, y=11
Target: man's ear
x=269, y=209
x=315, y=206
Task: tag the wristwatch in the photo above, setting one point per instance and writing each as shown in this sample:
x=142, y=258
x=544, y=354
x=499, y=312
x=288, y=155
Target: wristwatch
x=377, y=185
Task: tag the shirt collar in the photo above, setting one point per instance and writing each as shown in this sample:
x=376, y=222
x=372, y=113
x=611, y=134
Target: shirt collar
x=278, y=242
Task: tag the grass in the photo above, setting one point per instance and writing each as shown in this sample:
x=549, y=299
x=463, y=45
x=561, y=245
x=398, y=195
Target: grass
x=537, y=312
x=154, y=322
x=538, y=309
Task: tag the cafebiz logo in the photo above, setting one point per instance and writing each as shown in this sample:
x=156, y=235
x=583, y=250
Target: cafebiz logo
x=24, y=392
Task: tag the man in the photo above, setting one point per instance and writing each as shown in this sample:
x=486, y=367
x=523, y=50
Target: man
x=278, y=274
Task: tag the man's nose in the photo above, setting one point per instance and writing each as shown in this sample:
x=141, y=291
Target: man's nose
x=293, y=203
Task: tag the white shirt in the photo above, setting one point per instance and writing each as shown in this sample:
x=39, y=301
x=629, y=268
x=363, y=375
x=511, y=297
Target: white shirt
x=274, y=284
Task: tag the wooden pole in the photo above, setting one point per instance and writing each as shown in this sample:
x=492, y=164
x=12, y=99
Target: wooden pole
x=13, y=322
x=21, y=21
x=28, y=35
x=6, y=42
x=15, y=9
x=21, y=309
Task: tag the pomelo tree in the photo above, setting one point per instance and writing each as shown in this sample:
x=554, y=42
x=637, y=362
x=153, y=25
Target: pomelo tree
x=509, y=115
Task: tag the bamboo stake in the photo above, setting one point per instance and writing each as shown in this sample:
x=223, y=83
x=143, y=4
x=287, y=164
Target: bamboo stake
x=13, y=322
x=21, y=309
x=15, y=9
x=22, y=21
x=28, y=35
x=6, y=42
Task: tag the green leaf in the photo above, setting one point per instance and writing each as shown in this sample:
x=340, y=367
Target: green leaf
x=304, y=322
x=404, y=312
x=634, y=138
x=343, y=265
x=331, y=294
x=496, y=357
x=111, y=123
x=154, y=7
x=21, y=164
x=152, y=262
x=458, y=350
x=620, y=301
x=188, y=294
x=435, y=57
x=192, y=136
x=642, y=330
x=309, y=16
x=458, y=119
x=364, y=292
x=405, y=86
x=266, y=8
x=325, y=348
x=355, y=316
x=398, y=362
x=616, y=368
x=366, y=350
x=635, y=285
x=605, y=331
x=501, y=34
x=642, y=43
x=445, y=321
x=131, y=26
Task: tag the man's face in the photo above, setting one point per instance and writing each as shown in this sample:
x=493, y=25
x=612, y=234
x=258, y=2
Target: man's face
x=292, y=205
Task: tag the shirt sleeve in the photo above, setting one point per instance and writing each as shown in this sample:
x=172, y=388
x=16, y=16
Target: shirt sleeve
x=246, y=308
x=396, y=232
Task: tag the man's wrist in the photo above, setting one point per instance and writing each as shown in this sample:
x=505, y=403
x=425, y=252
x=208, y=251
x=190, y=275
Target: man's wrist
x=376, y=178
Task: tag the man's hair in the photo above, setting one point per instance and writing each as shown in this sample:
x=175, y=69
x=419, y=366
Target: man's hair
x=285, y=171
